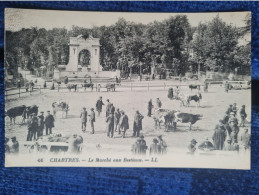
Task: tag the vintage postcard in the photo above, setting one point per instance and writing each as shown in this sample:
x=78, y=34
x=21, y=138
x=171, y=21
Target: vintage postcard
x=110, y=89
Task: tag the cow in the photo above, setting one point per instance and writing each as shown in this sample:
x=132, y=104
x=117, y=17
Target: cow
x=187, y=118
x=183, y=99
x=88, y=85
x=194, y=87
x=14, y=112
x=164, y=116
x=110, y=87
x=72, y=86
x=60, y=106
x=197, y=98
x=32, y=109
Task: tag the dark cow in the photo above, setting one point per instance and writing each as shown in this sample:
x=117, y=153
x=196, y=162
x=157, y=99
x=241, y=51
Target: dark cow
x=110, y=87
x=32, y=109
x=187, y=118
x=12, y=113
x=194, y=87
x=88, y=85
x=197, y=98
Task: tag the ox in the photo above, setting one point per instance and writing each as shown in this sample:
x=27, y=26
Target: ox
x=60, y=106
x=12, y=113
x=197, y=98
x=187, y=118
x=194, y=87
x=88, y=85
x=164, y=116
x=32, y=109
x=110, y=87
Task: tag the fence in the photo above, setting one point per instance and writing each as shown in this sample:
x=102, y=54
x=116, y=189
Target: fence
x=22, y=90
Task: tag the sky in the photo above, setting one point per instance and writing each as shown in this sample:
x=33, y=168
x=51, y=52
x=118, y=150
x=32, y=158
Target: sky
x=15, y=19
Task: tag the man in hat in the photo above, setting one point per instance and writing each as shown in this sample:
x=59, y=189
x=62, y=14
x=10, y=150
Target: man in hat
x=234, y=133
x=40, y=124
x=7, y=147
x=143, y=145
x=158, y=103
x=112, y=109
x=234, y=108
x=229, y=110
x=162, y=143
x=243, y=115
x=83, y=116
x=225, y=118
x=206, y=145
x=232, y=119
x=154, y=147
x=219, y=136
x=192, y=147
x=99, y=105
x=136, y=147
x=15, y=145
x=108, y=107
x=230, y=146
x=117, y=116
x=30, y=128
x=34, y=126
x=150, y=106
x=110, y=125
x=137, y=125
x=49, y=123
x=124, y=123
x=92, y=119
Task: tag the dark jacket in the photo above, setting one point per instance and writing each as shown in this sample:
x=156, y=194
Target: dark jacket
x=99, y=105
x=49, y=121
x=124, y=122
x=137, y=122
x=83, y=116
x=110, y=122
x=117, y=117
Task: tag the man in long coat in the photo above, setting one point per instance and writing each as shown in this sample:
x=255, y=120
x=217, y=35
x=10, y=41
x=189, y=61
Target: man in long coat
x=112, y=109
x=137, y=125
x=117, y=116
x=83, y=116
x=99, y=105
x=40, y=124
x=110, y=125
x=92, y=119
x=150, y=106
x=219, y=136
x=108, y=107
x=124, y=123
x=34, y=126
x=243, y=115
x=170, y=94
x=49, y=122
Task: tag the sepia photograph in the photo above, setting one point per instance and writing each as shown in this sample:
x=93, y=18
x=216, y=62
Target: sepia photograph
x=127, y=89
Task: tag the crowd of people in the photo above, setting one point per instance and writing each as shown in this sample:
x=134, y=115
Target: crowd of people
x=157, y=147
x=226, y=134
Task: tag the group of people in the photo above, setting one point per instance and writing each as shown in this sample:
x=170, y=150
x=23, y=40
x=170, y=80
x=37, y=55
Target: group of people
x=157, y=147
x=225, y=136
x=36, y=125
x=83, y=116
x=173, y=93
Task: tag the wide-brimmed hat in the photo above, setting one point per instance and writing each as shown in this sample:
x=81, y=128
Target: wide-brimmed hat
x=155, y=140
x=13, y=138
x=92, y=108
x=84, y=108
x=41, y=112
x=160, y=136
x=243, y=106
x=193, y=141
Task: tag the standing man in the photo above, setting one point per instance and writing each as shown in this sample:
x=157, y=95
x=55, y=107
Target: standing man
x=92, y=119
x=110, y=125
x=15, y=145
x=150, y=106
x=143, y=145
x=34, y=126
x=99, y=105
x=137, y=125
x=112, y=109
x=234, y=108
x=108, y=106
x=229, y=110
x=226, y=86
x=243, y=115
x=83, y=117
x=124, y=123
x=49, y=123
x=117, y=116
x=170, y=94
x=40, y=124
x=29, y=126
x=158, y=103
x=219, y=136
x=163, y=145
x=154, y=147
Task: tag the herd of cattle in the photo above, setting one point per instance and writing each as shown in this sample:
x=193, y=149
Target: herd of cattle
x=108, y=86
